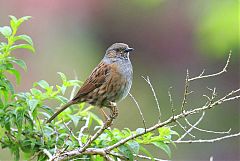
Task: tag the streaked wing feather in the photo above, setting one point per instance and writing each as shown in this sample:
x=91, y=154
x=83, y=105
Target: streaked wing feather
x=95, y=80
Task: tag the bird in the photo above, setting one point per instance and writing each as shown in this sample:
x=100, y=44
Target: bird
x=108, y=84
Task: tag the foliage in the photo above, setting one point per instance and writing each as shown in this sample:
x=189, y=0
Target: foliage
x=23, y=115
x=218, y=29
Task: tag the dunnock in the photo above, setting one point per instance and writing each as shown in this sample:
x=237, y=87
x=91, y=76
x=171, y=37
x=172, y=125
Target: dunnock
x=109, y=82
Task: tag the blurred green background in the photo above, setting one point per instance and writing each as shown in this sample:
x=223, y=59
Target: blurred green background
x=168, y=37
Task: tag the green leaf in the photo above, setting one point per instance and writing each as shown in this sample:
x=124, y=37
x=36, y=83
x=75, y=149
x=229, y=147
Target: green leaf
x=63, y=77
x=164, y=147
x=145, y=151
x=62, y=99
x=16, y=74
x=126, y=152
x=9, y=86
x=43, y=84
x=36, y=92
x=20, y=62
x=140, y=130
x=75, y=119
x=134, y=146
x=6, y=31
x=22, y=46
x=25, y=38
x=98, y=158
x=19, y=117
x=174, y=133
x=13, y=22
x=32, y=104
x=164, y=131
x=13, y=18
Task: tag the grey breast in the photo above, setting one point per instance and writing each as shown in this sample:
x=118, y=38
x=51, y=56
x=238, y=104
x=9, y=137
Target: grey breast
x=125, y=68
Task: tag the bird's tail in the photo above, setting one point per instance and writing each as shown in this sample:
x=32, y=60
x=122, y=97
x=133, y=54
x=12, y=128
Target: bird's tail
x=60, y=110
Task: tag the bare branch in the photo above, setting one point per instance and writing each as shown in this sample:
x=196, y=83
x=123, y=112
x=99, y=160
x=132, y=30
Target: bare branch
x=82, y=130
x=70, y=131
x=98, y=133
x=184, y=101
x=171, y=101
x=184, y=128
x=154, y=94
x=208, y=131
x=139, y=109
x=192, y=126
x=201, y=76
x=170, y=120
x=208, y=140
x=148, y=158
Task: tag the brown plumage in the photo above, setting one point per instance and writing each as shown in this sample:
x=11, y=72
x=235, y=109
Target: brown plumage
x=108, y=83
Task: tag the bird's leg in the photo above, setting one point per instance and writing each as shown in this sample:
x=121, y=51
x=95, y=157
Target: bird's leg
x=104, y=114
x=114, y=110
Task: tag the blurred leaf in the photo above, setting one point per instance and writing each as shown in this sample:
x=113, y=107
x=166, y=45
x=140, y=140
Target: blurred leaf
x=126, y=151
x=140, y=130
x=22, y=46
x=145, y=151
x=16, y=74
x=6, y=31
x=62, y=99
x=63, y=77
x=36, y=92
x=75, y=119
x=9, y=86
x=25, y=38
x=164, y=147
x=99, y=158
x=32, y=104
x=43, y=84
x=15, y=23
x=134, y=146
x=20, y=62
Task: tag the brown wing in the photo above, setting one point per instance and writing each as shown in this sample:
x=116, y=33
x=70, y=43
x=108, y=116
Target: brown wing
x=96, y=79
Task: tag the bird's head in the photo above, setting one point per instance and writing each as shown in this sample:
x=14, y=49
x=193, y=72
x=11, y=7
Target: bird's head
x=118, y=50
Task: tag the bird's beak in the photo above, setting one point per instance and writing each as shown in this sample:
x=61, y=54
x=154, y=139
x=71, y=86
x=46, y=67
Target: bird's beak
x=128, y=50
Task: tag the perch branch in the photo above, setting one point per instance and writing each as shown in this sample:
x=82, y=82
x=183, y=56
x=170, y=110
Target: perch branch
x=208, y=140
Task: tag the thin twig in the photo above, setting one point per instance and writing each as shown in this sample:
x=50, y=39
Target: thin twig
x=171, y=101
x=148, y=158
x=185, y=94
x=55, y=147
x=45, y=151
x=70, y=131
x=98, y=133
x=154, y=95
x=80, y=135
x=201, y=76
x=208, y=131
x=192, y=126
x=208, y=140
x=139, y=109
x=184, y=128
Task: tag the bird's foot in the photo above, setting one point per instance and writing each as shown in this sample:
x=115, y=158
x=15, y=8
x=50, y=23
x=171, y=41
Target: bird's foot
x=114, y=110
